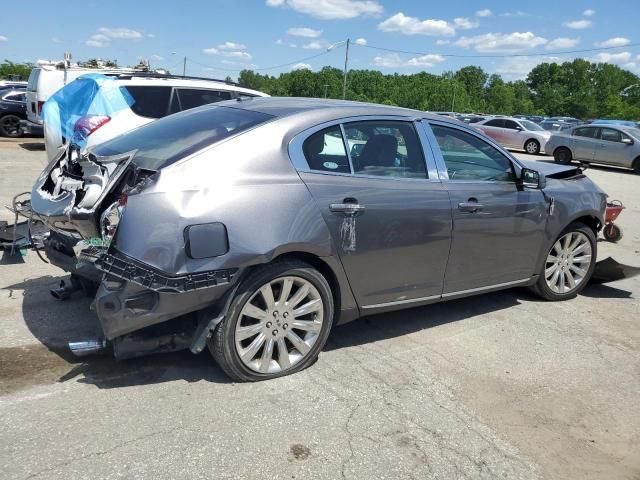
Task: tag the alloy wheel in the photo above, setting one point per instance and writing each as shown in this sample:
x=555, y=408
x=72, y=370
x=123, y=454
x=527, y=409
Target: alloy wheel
x=279, y=324
x=532, y=147
x=568, y=262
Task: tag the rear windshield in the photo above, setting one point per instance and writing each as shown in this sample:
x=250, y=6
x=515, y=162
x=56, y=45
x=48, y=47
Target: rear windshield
x=165, y=141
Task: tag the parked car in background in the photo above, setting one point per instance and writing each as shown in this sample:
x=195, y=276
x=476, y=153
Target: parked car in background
x=625, y=123
x=607, y=144
x=149, y=95
x=516, y=133
x=13, y=109
x=470, y=118
x=536, y=118
x=572, y=120
x=555, y=126
x=256, y=226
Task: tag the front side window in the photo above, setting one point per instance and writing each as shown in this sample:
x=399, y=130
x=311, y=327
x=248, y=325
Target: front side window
x=510, y=124
x=149, y=101
x=610, y=135
x=172, y=138
x=467, y=157
x=385, y=148
x=324, y=151
x=496, y=122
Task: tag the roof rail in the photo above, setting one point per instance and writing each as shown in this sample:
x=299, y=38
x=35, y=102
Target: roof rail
x=168, y=75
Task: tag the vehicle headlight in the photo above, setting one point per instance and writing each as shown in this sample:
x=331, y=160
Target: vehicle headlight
x=109, y=221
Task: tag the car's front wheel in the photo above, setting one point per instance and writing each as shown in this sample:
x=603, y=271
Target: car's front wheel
x=569, y=264
x=532, y=147
x=10, y=126
x=562, y=155
x=277, y=323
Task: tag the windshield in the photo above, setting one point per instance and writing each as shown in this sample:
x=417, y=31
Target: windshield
x=172, y=138
x=534, y=127
x=634, y=133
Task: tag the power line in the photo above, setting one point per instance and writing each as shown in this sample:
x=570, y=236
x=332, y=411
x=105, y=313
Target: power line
x=536, y=54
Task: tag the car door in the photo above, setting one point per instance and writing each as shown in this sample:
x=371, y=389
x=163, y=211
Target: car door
x=611, y=150
x=585, y=140
x=513, y=134
x=498, y=227
x=388, y=214
x=495, y=129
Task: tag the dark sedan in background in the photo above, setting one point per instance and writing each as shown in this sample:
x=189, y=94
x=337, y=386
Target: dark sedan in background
x=260, y=224
x=13, y=109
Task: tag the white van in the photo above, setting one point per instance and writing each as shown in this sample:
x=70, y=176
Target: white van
x=45, y=80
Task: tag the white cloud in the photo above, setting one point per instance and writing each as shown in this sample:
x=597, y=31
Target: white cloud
x=414, y=26
x=98, y=40
x=331, y=9
x=124, y=33
x=237, y=54
x=232, y=46
x=53, y=39
x=279, y=41
x=465, y=23
x=606, y=57
x=315, y=45
x=156, y=57
x=301, y=66
x=237, y=64
x=484, y=13
x=613, y=42
x=393, y=60
x=562, y=42
x=151, y=35
x=293, y=45
x=589, y=13
x=518, y=13
x=578, y=24
x=443, y=42
x=304, y=32
x=502, y=42
x=3, y=38
x=360, y=41
x=517, y=68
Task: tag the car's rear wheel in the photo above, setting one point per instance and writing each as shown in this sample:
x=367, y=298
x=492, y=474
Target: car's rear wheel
x=10, y=126
x=277, y=323
x=532, y=147
x=569, y=264
x=636, y=166
x=562, y=155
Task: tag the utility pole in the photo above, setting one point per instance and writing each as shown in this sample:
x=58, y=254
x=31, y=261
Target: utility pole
x=184, y=67
x=346, y=66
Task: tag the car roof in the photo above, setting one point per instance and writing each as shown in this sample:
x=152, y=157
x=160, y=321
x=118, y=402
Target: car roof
x=287, y=106
x=184, y=82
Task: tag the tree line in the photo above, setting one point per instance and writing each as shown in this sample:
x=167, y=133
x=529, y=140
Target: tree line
x=578, y=89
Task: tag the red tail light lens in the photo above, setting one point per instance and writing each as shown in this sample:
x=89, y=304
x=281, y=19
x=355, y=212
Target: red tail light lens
x=88, y=124
x=40, y=104
x=123, y=199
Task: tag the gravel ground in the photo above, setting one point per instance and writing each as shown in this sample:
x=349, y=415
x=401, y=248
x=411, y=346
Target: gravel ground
x=495, y=386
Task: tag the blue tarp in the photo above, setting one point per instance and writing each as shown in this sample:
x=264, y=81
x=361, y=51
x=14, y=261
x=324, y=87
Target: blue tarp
x=90, y=94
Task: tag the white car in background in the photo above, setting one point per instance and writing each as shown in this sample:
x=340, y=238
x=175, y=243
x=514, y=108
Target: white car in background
x=154, y=96
x=516, y=133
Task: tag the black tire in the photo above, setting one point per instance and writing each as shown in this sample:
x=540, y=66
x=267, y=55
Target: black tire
x=612, y=233
x=562, y=155
x=543, y=290
x=636, y=166
x=222, y=343
x=532, y=147
x=10, y=126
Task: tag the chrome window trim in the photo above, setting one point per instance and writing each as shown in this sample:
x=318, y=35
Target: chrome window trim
x=442, y=168
x=296, y=153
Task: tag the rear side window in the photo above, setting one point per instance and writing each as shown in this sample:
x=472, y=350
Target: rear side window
x=324, y=151
x=191, y=98
x=498, y=122
x=18, y=97
x=150, y=101
x=610, y=135
x=588, y=132
x=467, y=157
x=172, y=138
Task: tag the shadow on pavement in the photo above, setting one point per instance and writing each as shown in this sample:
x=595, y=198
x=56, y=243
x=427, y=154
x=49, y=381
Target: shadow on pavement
x=33, y=146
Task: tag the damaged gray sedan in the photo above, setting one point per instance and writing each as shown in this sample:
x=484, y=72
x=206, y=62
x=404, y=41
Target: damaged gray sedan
x=253, y=227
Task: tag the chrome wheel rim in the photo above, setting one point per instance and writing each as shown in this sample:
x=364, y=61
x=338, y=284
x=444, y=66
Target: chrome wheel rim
x=532, y=147
x=568, y=262
x=279, y=325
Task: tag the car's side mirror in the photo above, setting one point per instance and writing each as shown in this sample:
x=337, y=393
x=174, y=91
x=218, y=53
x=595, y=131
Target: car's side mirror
x=532, y=179
x=627, y=141
x=519, y=128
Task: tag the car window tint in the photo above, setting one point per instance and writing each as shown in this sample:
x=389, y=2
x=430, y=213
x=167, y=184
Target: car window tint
x=588, y=132
x=498, y=122
x=149, y=101
x=191, y=98
x=511, y=124
x=385, y=149
x=610, y=135
x=172, y=138
x=325, y=152
x=467, y=157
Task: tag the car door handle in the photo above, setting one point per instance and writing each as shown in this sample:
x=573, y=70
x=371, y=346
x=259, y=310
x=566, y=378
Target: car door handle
x=471, y=207
x=346, y=208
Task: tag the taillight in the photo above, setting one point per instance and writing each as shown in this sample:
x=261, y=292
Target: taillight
x=40, y=104
x=88, y=124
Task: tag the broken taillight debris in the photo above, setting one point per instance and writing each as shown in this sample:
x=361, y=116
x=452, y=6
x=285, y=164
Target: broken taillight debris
x=88, y=124
x=123, y=199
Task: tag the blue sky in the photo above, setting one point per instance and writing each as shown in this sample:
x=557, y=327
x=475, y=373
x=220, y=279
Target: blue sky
x=220, y=37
